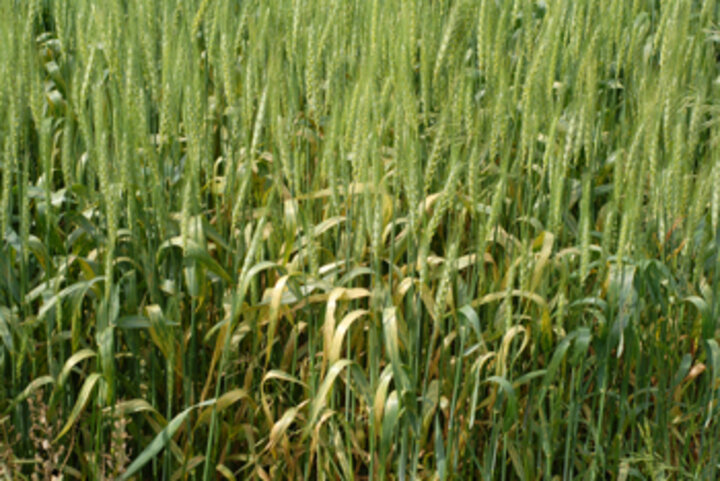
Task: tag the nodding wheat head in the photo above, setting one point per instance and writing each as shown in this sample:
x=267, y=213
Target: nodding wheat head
x=715, y=201
x=445, y=43
x=558, y=173
x=9, y=152
x=585, y=225
x=441, y=208
x=449, y=268
x=312, y=75
x=227, y=60
x=435, y=155
x=483, y=35
x=197, y=21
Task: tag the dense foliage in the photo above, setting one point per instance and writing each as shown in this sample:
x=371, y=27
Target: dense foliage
x=359, y=239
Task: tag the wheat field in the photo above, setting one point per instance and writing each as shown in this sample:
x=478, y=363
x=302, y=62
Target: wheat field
x=359, y=239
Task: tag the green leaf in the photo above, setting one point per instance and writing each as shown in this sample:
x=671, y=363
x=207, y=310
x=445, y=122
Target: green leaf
x=160, y=441
x=82, y=400
x=713, y=355
x=32, y=387
x=223, y=402
x=5, y=329
x=252, y=272
x=38, y=248
x=321, y=396
x=392, y=345
x=77, y=291
x=197, y=253
x=71, y=362
x=133, y=322
x=440, y=451
x=511, y=410
x=473, y=318
x=133, y=406
x=525, y=378
x=391, y=415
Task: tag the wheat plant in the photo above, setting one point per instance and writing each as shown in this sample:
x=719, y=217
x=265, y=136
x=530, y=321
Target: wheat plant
x=359, y=239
